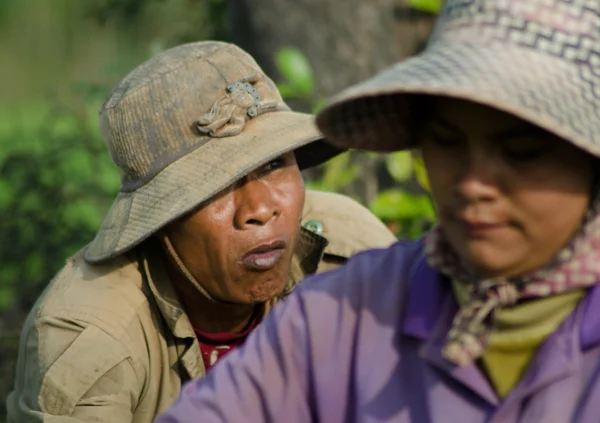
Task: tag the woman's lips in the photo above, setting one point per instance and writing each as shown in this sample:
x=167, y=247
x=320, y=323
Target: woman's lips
x=481, y=228
x=264, y=256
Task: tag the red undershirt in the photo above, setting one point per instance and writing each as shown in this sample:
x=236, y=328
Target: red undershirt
x=215, y=346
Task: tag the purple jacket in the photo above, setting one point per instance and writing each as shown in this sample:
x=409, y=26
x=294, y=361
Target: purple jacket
x=362, y=344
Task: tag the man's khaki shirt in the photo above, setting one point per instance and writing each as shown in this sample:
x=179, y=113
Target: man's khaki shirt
x=112, y=343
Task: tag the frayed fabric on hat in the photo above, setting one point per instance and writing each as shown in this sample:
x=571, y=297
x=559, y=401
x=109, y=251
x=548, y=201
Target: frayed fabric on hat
x=536, y=59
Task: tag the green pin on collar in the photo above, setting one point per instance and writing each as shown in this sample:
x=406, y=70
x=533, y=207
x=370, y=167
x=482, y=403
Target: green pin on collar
x=314, y=226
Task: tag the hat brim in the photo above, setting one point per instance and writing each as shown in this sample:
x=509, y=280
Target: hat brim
x=553, y=93
x=196, y=177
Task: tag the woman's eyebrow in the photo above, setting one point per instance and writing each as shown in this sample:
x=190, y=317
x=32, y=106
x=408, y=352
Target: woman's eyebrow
x=439, y=121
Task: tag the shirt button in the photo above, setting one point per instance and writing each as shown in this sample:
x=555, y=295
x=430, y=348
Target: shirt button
x=314, y=226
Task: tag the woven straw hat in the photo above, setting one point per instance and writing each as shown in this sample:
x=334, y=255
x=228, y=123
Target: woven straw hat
x=185, y=125
x=536, y=59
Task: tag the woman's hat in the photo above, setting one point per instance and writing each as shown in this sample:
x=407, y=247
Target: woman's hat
x=538, y=60
x=185, y=125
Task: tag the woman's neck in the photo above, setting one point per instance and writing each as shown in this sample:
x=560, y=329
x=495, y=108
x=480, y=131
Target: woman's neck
x=208, y=315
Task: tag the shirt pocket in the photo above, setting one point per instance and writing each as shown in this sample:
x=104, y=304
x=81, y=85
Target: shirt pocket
x=92, y=354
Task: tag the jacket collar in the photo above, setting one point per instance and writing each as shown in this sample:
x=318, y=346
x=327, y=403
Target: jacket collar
x=428, y=290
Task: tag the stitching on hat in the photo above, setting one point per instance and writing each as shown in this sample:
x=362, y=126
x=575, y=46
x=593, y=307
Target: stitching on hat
x=128, y=77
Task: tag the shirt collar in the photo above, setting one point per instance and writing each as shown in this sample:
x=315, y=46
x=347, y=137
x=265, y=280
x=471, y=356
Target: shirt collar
x=308, y=255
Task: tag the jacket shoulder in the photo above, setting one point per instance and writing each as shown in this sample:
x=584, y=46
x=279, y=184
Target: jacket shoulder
x=348, y=226
x=107, y=295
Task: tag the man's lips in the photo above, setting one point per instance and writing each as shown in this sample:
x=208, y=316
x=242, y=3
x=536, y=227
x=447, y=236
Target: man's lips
x=264, y=256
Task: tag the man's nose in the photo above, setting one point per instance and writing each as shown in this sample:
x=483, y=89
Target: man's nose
x=256, y=203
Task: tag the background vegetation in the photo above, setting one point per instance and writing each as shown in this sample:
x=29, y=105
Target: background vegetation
x=59, y=61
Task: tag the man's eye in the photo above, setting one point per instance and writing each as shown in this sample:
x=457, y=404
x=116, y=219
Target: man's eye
x=274, y=164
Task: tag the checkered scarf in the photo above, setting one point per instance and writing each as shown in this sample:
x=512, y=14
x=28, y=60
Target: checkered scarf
x=577, y=266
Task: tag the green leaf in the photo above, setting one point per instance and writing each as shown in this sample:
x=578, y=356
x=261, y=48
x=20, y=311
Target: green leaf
x=400, y=165
x=427, y=208
x=316, y=185
x=108, y=176
x=319, y=105
x=288, y=90
x=34, y=266
x=83, y=213
x=7, y=194
x=428, y=6
x=7, y=296
x=397, y=204
x=78, y=167
x=296, y=69
x=421, y=173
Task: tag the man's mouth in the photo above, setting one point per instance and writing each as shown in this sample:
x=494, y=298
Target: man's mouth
x=264, y=256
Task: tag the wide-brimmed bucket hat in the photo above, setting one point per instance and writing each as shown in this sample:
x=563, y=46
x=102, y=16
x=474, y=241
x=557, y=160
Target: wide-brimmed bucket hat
x=538, y=60
x=185, y=125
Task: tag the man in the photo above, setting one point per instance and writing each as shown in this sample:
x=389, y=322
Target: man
x=208, y=231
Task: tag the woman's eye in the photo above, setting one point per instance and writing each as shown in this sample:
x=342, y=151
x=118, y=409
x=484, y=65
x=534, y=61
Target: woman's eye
x=525, y=155
x=524, y=152
x=444, y=140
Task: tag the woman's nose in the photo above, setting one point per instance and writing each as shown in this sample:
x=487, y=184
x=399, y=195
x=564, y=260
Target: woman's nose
x=479, y=179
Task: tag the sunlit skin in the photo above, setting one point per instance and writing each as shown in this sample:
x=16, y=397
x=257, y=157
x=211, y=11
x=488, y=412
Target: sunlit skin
x=509, y=195
x=239, y=245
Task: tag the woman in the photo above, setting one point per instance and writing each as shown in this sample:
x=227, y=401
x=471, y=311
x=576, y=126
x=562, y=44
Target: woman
x=495, y=315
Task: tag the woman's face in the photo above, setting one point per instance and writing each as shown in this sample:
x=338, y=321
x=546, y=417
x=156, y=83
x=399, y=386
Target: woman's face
x=240, y=244
x=509, y=195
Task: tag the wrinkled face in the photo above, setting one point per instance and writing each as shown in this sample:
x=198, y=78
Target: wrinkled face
x=239, y=245
x=509, y=195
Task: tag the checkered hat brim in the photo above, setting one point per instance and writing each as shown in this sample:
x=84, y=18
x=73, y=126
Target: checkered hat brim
x=546, y=75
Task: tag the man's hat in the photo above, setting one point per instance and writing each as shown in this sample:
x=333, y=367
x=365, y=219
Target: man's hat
x=538, y=60
x=185, y=125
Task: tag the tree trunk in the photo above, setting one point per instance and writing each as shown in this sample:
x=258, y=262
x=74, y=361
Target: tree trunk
x=345, y=41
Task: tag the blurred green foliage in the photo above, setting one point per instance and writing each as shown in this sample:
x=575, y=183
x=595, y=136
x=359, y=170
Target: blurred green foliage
x=429, y=6
x=55, y=185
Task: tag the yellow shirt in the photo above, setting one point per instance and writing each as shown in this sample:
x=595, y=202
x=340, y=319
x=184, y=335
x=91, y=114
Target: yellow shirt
x=518, y=332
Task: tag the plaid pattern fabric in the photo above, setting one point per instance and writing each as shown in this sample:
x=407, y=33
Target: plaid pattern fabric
x=575, y=267
x=536, y=59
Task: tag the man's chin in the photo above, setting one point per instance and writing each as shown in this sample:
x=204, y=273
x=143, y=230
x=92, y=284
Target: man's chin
x=263, y=291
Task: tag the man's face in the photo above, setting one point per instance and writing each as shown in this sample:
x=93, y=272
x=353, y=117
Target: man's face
x=240, y=244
